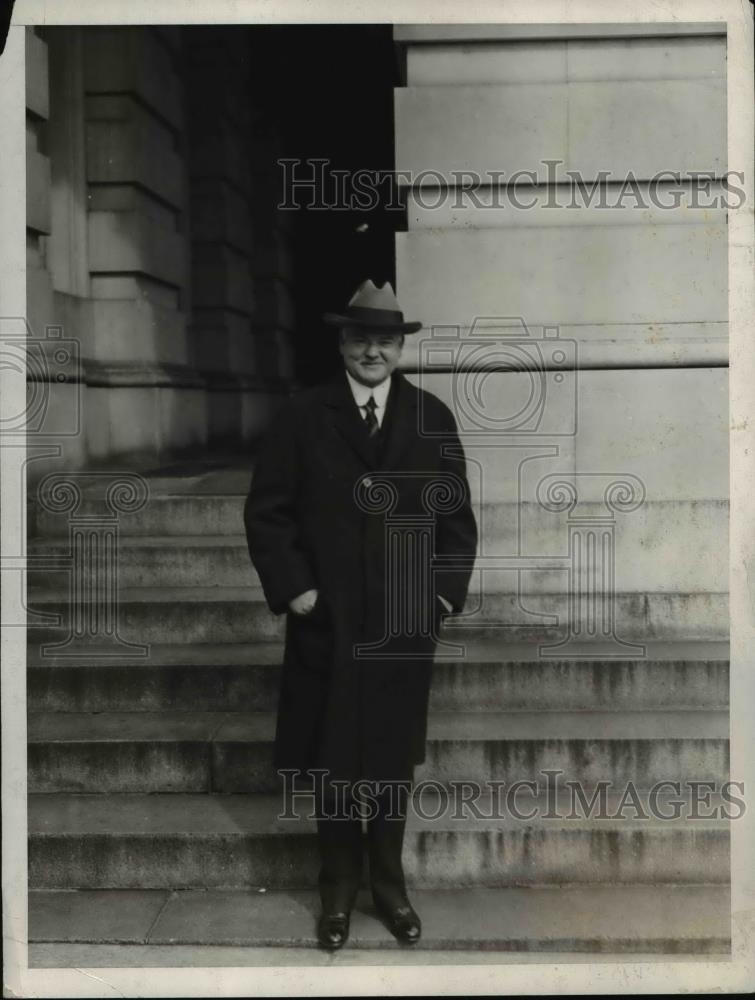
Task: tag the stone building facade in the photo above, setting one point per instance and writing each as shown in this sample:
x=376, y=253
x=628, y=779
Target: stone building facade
x=635, y=289
x=153, y=239
x=585, y=352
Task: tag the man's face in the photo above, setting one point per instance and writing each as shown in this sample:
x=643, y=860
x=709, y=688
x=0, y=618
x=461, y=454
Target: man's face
x=370, y=355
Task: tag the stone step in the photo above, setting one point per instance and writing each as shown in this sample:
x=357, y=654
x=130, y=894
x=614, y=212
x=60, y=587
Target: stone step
x=227, y=841
x=232, y=752
x=214, y=506
x=174, y=560
x=222, y=560
x=164, y=561
x=493, y=677
x=279, y=926
x=236, y=614
x=166, y=615
x=165, y=513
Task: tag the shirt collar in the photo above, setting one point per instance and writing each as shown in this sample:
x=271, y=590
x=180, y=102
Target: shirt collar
x=362, y=393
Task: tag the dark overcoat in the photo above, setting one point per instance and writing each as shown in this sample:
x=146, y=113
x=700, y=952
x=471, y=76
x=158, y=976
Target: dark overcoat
x=379, y=532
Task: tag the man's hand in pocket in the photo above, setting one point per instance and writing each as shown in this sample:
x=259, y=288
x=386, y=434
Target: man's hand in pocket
x=304, y=603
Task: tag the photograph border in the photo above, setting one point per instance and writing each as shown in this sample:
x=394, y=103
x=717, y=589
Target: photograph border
x=521, y=972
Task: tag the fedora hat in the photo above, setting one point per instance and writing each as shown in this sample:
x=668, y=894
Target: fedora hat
x=370, y=306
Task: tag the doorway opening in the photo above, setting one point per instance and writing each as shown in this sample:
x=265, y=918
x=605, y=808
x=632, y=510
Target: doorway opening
x=328, y=89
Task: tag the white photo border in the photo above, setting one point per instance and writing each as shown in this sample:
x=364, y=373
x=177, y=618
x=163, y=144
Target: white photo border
x=523, y=974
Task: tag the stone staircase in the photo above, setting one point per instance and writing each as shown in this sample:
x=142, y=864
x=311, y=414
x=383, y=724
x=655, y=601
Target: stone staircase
x=154, y=808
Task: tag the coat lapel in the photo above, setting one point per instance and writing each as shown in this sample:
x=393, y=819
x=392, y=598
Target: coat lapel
x=402, y=421
x=348, y=421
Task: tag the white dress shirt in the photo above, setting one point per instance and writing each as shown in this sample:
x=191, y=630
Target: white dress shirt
x=380, y=392
x=362, y=393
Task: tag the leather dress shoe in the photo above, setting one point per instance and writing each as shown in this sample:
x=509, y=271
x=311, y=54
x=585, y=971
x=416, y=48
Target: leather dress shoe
x=333, y=930
x=402, y=921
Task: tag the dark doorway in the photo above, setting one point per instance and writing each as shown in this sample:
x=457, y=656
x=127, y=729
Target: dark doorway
x=329, y=91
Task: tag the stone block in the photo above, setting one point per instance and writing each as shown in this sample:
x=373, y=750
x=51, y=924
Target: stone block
x=486, y=63
x=673, y=58
x=669, y=427
x=131, y=241
x=183, y=419
x=560, y=275
x=146, y=420
x=647, y=126
x=221, y=279
x=134, y=286
x=121, y=421
x=558, y=60
x=220, y=214
x=132, y=199
x=512, y=429
x=668, y=203
x=40, y=308
x=133, y=60
x=273, y=304
x=216, y=151
x=37, y=75
x=37, y=192
x=223, y=342
x=55, y=415
x=436, y=32
x=106, y=916
x=601, y=345
x=636, y=125
x=442, y=129
x=137, y=330
x=651, y=550
x=125, y=143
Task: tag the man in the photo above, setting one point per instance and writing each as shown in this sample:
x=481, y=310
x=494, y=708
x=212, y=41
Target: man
x=345, y=467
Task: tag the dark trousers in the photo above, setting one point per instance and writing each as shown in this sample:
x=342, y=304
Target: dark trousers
x=341, y=841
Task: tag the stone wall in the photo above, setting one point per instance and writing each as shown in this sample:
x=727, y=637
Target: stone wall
x=612, y=321
x=141, y=167
x=242, y=308
x=55, y=232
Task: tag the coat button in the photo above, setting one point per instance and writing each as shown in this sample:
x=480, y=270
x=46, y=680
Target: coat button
x=367, y=483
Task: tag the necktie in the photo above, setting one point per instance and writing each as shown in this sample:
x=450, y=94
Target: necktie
x=370, y=418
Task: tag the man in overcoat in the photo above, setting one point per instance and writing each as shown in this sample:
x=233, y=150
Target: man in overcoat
x=360, y=527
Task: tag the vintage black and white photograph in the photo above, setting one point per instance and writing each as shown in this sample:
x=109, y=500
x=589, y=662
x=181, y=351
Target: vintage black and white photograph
x=371, y=580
